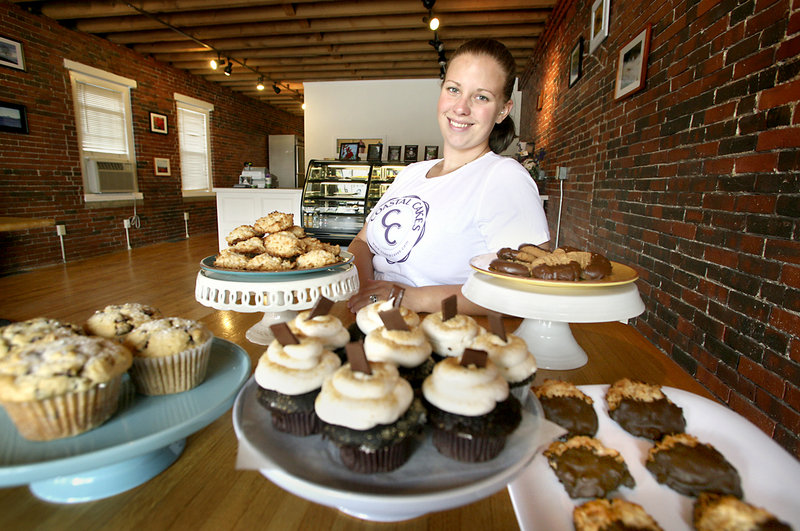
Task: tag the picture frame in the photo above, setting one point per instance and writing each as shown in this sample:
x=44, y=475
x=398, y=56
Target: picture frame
x=374, y=151
x=431, y=152
x=576, y=62
x=11, y=54
x=598, y=23
x=394, y=154
x=158, y=123
x=410, y=153
x=348, y=151
x=161, y=167
x=632, y=65
x=13, y=118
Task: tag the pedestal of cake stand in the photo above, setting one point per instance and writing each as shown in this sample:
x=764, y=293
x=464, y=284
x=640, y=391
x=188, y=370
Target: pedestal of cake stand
x=280, y=298
x=548, y=310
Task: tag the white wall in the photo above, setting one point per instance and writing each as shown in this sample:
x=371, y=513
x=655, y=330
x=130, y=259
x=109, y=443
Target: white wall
x=398, y=111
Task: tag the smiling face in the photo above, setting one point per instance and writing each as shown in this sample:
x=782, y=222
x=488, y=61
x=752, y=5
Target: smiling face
x=470, y=103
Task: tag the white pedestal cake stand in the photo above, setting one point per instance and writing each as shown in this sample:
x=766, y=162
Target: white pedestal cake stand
x=280, y=299
x=547, y=312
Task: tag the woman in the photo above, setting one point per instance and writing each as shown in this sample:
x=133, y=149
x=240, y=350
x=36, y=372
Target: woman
x=438, y=214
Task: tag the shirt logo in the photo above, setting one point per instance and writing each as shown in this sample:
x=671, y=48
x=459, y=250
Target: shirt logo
x=396, y=227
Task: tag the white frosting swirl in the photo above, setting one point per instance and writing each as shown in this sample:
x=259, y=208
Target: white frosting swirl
x=451, y=337
x=512, y=357
x=327, y=328
x=368, y=318
x=295, y=369
x=471, y=391
x=362, y=401
x=407, y=348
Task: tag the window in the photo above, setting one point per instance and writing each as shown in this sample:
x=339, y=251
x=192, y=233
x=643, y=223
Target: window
x=194, y=138
x=105, y=131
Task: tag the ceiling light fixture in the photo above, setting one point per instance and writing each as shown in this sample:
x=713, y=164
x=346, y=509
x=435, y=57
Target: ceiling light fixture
x=229, y=68
x=276, y=88
x=430, y=20
x=260, y=85
x=214, y=63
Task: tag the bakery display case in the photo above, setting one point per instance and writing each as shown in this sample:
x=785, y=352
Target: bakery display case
x=338, y=195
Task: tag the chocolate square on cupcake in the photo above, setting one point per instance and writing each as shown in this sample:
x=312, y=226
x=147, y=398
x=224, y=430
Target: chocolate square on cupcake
x=567, y=406
x=588, y=469
x=690, y=467
x=643, y=409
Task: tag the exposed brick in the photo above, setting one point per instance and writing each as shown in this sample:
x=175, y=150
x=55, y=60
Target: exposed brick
x=787, y=137
x=780, y=94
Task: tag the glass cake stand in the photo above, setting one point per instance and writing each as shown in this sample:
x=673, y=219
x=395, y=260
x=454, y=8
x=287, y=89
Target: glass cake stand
x=279, y=295
x=548, y=310
x=144, y=437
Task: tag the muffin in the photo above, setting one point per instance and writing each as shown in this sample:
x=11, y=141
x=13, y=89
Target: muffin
x=117, y=320
x=713, y=512
x=588, y=469
x=405, y=347
x=170, y=355
x=567, y=406
x=605, y=515
x=470, y=409
x=643, y=409
x=62, y=387
x=372, y=417
x=448, y=331
x=21, y=334
x=289, y=378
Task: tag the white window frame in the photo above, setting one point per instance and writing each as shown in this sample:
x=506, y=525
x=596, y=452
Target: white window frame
x=184, y=102
x=81, y=73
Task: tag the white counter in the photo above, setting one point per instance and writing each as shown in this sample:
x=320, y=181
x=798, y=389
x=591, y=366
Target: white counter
x=243, y=206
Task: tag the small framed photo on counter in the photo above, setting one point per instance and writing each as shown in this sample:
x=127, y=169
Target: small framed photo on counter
x=394, y=154
x=161, y=167
x=158, y=123
x=374, y=151
x=348, y=151
x=410, y=153
x=431, y=152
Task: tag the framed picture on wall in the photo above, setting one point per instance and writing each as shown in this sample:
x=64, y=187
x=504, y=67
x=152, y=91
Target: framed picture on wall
x=13, y=118
x=374, y=151
x=11, y=54
x=410, y=153
x=348, y=151
x=598, y=23
x=632, y=65
x=540, y=101
x=158, y=123
x=431, y=152
x=161, y=167
x=394, y=154
x=576, y=62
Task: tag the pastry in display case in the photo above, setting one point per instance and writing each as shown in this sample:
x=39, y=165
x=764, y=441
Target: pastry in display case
x=338, y=195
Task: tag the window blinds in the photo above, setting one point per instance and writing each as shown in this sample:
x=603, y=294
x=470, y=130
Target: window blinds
x=192, y=135
x=102, y=119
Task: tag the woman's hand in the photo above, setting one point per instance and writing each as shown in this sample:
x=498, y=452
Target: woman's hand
x=373, y=291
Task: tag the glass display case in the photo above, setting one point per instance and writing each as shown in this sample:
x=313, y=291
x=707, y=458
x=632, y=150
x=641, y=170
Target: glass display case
x=338, y=195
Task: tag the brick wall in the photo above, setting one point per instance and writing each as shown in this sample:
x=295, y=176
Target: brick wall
x=693, y=181
x=40, y=172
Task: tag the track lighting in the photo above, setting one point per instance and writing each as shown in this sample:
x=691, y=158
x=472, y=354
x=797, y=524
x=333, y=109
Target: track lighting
x=260, y=85
x=437, y=44
x=215, y=63
x=303, y=106
x=229, y=68
x=276, y=88
x=433, y=23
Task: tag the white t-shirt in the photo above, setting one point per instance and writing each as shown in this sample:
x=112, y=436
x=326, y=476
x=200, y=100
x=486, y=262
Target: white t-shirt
x=423, y=231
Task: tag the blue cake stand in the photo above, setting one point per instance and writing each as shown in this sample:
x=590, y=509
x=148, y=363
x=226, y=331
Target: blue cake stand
x=144, y=437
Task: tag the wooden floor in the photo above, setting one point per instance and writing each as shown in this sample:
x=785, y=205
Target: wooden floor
x=203, y=490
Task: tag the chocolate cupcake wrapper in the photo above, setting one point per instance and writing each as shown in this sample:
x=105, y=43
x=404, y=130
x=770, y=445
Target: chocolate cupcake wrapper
x=171, y=374
x=471, y=449
x=66, y=415
x=299, y=424
x=384, y=459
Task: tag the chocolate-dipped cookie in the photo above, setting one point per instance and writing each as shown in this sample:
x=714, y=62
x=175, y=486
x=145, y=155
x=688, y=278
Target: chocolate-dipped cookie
x=612, y=515
x=713, y=512
x=643, y=409
x=567, y=406
x=586, y=468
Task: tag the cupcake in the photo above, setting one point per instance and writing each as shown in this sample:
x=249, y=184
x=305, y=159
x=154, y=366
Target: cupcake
x=405, y=347
x=469, y=407
x=369, y=412
x=289, y=376
x=448, y=331
x=63, y=386
x=368, y=317
x=318, y=323
x=170, y=355
x=24, y=333
x=117, y=320
x=509, y=352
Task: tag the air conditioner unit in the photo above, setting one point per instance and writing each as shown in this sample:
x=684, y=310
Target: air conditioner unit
x=111, y=176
